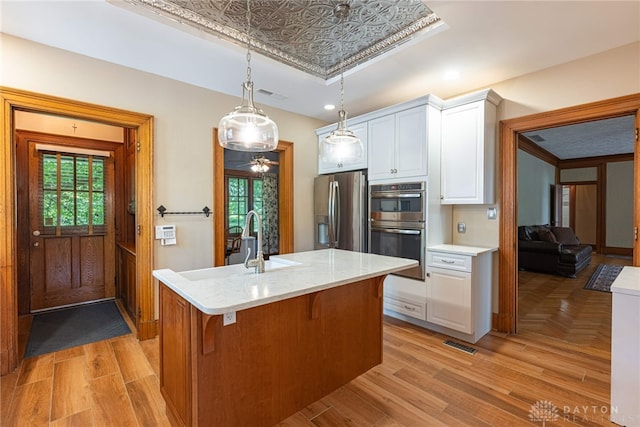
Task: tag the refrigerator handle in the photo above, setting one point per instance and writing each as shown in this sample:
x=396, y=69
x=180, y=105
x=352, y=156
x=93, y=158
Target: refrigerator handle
x=331, y=213
x=336, y=205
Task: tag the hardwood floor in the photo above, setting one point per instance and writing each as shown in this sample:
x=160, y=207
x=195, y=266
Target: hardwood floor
x=560, y=357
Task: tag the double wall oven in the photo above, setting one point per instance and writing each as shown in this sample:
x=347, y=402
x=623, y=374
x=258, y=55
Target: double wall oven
x=397, y=223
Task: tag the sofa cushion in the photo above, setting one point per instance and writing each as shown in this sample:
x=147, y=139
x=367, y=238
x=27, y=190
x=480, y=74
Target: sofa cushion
x=546, y=235
x=565, y=235
x=524, y=232
x=575, y=254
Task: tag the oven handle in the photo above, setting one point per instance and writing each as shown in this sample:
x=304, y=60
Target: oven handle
x=397, y=195
x=396, y=230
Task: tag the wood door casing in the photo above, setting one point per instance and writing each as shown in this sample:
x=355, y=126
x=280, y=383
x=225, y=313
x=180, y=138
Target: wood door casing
x=69, y=265
x=141, y=126
x=508, y=175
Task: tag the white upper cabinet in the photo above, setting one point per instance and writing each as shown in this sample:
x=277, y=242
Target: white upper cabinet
x=360, y=130
x=468, y=149
x=398, y=144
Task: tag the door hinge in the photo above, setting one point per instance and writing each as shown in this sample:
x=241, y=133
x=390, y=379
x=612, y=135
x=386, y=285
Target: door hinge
x=138, y=146
x=637, y=134
x=139, y=313
x=139, y=229
x=635, y=233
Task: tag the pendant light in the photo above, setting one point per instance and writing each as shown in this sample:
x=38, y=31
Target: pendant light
x=341, y=145
x=247, y=128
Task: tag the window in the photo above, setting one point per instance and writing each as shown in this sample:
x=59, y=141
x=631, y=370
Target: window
x=72, y=191
x=243, y=194
x=238, y=201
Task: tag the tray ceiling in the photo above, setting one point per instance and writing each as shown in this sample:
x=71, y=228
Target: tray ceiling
x=307, y=34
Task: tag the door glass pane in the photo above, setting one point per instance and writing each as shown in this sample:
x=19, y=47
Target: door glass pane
x=72, y=188
x=67, y=204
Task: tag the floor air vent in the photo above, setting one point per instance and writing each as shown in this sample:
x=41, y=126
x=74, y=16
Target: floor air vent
x=460, y=347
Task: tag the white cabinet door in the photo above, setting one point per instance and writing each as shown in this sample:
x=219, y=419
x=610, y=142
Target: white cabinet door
x=381, y=147
x=360, y=130
x=398, y=145
x=468, y=140
x=449, y=299
x=411, y=142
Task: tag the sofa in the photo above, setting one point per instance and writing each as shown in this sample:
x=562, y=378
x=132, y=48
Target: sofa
x=552, y=250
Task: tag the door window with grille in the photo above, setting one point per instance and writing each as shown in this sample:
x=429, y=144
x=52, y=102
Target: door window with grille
x=72, y=192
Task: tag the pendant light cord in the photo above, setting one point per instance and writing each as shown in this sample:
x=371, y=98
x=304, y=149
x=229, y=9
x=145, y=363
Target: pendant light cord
x=342, y=18
x=248, y=41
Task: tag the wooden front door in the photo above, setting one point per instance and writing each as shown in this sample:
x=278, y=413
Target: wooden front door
x=71, y=220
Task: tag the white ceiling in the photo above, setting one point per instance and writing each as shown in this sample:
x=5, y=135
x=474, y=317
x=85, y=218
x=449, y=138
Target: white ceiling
x=483, y=41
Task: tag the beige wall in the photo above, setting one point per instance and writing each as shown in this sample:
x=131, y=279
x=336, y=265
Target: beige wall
x=184, y=119
x=608, y=75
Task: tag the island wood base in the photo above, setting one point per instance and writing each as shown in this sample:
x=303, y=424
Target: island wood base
x=274, y=361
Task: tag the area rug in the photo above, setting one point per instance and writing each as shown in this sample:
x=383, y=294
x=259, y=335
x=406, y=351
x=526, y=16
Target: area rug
x=603, y=277
x=70, y=327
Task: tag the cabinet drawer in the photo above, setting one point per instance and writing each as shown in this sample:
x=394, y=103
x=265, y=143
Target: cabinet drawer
x=449, y=261
x=406, y=308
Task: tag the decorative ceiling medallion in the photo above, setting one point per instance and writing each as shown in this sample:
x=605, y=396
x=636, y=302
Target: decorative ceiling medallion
x=305, y=34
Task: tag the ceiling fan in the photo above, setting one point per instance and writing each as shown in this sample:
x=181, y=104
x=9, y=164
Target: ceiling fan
x=261, y=164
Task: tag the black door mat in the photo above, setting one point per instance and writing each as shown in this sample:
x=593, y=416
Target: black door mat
x=71, y=327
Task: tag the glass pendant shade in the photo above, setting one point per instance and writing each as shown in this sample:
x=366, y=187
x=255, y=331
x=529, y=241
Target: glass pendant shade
x=247, y=128
x=341, y=145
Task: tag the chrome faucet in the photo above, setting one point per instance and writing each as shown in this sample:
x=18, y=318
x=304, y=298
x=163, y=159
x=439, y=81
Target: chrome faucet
x=258, y=262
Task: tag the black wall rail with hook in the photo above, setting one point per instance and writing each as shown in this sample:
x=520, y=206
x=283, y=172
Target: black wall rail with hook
x=163, y=211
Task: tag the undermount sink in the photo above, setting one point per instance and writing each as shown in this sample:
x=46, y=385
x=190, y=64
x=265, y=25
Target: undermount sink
x=274, y=263
x=234, y=270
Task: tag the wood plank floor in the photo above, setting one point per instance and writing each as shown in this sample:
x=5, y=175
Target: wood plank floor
x=560, y=357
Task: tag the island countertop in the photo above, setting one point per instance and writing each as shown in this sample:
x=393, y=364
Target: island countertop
x=220, y=290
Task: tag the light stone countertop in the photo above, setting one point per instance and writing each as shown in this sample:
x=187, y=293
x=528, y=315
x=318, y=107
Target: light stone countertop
x=220, y=290
x=627, y=282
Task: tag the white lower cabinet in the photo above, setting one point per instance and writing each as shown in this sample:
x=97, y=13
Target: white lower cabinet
x=459, y=290
x=449, y=299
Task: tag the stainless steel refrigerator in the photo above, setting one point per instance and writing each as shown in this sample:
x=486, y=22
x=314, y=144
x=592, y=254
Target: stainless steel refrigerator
x=340, y=211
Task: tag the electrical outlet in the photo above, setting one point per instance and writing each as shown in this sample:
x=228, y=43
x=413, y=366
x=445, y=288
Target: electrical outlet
x=229, y=318
x=491, y=213
x=462, y=227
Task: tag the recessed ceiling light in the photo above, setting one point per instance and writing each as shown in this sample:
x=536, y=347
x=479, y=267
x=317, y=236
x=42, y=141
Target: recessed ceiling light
x=329, y=107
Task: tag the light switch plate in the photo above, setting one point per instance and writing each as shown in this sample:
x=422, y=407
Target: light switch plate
x=491, y=213
x=462, y=227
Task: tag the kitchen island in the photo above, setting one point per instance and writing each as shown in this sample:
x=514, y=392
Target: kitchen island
x=244, y=349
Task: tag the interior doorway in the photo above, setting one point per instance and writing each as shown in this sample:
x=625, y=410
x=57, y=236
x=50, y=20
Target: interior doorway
x=141, y=127
x=66, y=220
x=508, y=177
x=285, y=200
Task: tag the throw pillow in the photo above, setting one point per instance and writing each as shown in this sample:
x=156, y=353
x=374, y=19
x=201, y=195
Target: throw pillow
x=565, y=235
x=546, y=235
